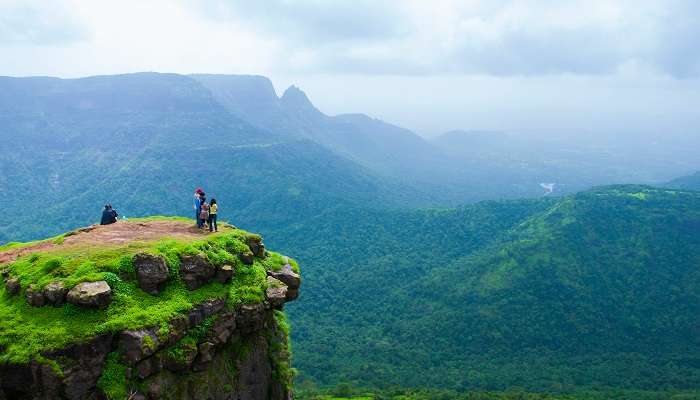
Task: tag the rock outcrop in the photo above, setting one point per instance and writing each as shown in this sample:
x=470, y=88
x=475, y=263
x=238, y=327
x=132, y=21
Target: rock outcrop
x=90, y=294
x=80, y=367
x=256, y=245
x=196, y=271
x=35, y=297
x=201, y=340
x=224, y=273
x=55, y=293
x=12, y=286
x=168, y=369
x=289, y=278
x=152, y=272
x=276, y=292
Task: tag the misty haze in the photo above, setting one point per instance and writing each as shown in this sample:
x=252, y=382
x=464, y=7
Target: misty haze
x=350, y=200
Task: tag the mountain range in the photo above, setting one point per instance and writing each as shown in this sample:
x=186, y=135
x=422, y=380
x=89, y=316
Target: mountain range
x=428, y=263
x=183, y=131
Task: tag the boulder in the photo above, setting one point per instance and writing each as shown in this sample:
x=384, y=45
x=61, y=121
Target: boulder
x=256, y=246
x=35, y=297
x=138, y=344
x=276, y=292
x=289, y=278
x=55, y=293
x=152, y=272
x=202, y=311
x=90, y=294
x=12, y=286
x=196, y=271
x=224, y=273
x=247, y=257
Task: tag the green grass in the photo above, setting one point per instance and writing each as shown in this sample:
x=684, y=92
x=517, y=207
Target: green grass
x=113, y=380
x=281, y=352
x=17, y=245
x=27, y=331
x=185, y=346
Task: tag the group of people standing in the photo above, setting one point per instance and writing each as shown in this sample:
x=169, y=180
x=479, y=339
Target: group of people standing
x=205, y=213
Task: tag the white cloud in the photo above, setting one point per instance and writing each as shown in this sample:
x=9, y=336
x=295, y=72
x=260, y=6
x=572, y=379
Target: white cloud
x=429, y=65
x=371, y=37
x=474, y=37
x=38, y=23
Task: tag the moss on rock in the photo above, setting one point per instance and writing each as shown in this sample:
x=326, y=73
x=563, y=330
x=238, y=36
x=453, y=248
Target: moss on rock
x=27, y=333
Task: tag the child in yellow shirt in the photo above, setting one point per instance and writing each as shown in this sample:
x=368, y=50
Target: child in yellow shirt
x=213, y=208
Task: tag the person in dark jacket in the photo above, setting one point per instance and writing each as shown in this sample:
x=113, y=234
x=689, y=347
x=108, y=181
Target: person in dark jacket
x=109, y=215
x=114, y=213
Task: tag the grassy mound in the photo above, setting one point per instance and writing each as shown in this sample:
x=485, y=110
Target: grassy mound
x=26, y=332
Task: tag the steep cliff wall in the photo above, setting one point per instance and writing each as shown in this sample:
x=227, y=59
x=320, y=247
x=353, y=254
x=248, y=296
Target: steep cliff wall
x=145, y=309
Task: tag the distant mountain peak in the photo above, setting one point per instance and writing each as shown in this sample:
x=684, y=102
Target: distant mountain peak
x=473, y=133
x=295, y=98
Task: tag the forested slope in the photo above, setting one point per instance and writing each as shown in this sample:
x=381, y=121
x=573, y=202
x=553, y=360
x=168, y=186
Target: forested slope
x=143, y=142
x=598, y=289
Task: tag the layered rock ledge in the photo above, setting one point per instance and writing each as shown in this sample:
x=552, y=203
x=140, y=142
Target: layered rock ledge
x=159, y=312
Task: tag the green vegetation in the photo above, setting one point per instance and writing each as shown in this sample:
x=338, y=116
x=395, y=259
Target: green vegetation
x=281, y=352
x=345, y=391
x=27, y=331
x=185, y=346
x=113, y=381
x=690, y=182
x=596, y=291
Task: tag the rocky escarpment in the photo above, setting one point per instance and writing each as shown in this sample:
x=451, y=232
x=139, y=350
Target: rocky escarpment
x=168, y=319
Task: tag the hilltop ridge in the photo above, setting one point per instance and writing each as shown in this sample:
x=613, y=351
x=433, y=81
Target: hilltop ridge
x=145, y=307
x=582, y=287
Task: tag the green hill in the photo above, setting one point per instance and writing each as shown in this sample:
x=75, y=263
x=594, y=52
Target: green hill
x=144, y=142
x=592, y=290
x=690, y=182
x=146, y=306
x=598, y=290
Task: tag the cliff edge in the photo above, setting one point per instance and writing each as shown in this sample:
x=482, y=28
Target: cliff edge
x=145, y=309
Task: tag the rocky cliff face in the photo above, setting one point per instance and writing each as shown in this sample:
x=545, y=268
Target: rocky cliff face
x=199, y=317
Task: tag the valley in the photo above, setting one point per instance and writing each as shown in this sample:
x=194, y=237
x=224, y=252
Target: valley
x=434, y=265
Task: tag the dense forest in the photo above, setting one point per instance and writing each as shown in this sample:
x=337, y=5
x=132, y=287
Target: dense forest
x=596, y=290
x=461, y=282
x=345, y=391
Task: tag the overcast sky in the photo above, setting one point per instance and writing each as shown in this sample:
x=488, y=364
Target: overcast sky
x=522, y=66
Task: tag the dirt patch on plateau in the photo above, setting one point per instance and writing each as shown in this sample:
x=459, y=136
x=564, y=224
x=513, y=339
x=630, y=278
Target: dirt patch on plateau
x=114, y=234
